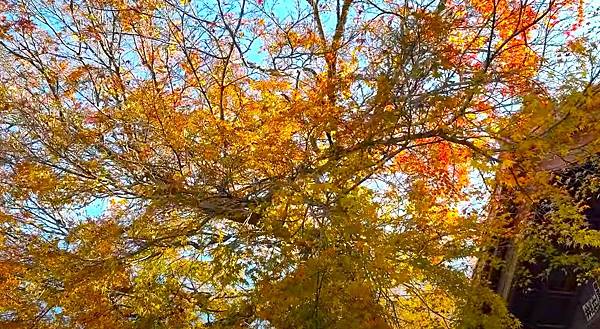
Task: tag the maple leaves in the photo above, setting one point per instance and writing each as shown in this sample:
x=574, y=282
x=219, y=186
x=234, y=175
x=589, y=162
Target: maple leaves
x=256, y=168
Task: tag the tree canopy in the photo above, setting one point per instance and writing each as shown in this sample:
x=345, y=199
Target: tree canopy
x=282, y=164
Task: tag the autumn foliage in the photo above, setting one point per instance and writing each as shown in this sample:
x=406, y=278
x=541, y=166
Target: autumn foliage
x=258, y=164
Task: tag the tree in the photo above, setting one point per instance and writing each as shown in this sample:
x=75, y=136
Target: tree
x=310, y=164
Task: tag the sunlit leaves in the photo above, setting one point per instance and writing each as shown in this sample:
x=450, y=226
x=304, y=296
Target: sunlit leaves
x=174, y=164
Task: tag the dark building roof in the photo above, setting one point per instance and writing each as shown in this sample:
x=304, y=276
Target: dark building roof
x=556, y=299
